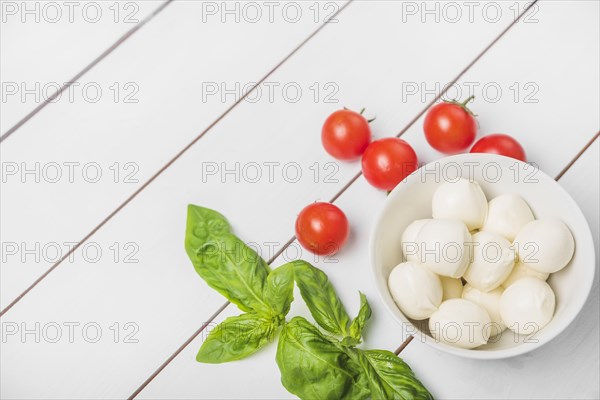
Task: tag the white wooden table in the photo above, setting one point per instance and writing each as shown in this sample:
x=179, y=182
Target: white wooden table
x=98, y=297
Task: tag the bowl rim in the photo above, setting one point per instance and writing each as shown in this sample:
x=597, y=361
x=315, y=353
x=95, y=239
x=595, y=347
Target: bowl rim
x=475, y=353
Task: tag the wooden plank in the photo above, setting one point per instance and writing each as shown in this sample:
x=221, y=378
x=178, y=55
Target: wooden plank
x=46, y=43
x=445, y=375
x=176, y=63
x=161, y=293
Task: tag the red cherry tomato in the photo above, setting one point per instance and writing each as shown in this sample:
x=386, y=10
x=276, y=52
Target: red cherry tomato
x=386, y=162
x=346, y=134
x=499, y=143
x=450, y=127
x=322, y=228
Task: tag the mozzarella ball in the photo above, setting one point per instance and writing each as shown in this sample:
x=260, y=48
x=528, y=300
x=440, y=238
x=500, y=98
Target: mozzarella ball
x=462, y=200
x=416, y=290
x=443, y=247
x=519, y=271
x=460, y=323
x=545, y=245
x=527, y=305
x=409, y=239
x=452, y=288
x=490, y=301
x=507, y=215
x=493, y=260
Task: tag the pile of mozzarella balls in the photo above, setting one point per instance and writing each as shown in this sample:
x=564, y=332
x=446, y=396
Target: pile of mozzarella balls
x=476, y=268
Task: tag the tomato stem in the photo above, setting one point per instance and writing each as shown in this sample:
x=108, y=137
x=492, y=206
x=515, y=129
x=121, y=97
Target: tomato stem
x=369, y=120
x=361, y=113
x=464, y=103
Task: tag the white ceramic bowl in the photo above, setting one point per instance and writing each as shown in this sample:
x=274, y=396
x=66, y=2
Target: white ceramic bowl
x=411, y=200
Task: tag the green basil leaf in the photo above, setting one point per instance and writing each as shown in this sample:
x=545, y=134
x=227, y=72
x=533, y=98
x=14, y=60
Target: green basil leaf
x=202, y=225
x=313, y=367
x=389, y=376
x=236, y=338
x=225, y=262
x=279, y=290
x=358, y=324
x=321, y=299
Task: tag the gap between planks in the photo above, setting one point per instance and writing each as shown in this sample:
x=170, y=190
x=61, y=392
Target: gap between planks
x=78, y=76
x=341, y=191
x=168, y=164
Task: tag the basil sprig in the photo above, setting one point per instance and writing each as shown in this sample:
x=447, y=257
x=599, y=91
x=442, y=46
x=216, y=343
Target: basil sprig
x=313, y=364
